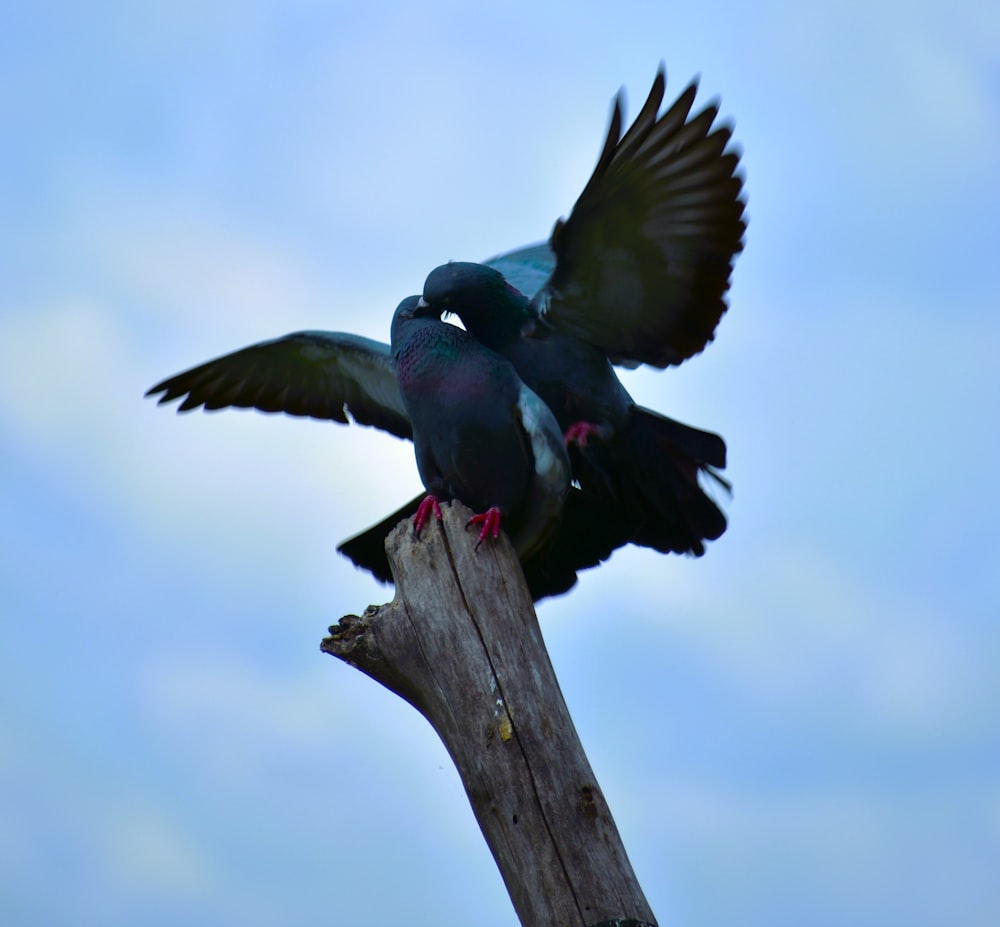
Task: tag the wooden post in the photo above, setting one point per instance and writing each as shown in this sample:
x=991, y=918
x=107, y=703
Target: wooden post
x=461, y=643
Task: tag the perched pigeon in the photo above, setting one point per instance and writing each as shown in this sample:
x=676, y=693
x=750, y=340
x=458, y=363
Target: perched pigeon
x=479, y=433
x=637, y=274
x=327, y=374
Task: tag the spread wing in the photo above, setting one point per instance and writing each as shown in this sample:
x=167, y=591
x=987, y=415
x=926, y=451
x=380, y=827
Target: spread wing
x=643, y=262
x=317, y=374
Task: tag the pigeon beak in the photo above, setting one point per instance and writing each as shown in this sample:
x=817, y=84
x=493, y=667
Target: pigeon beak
x=424, y=310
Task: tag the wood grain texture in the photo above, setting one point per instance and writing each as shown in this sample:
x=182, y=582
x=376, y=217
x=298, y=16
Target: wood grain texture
x=461, y=643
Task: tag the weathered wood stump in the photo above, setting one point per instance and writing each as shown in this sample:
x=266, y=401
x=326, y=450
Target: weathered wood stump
x=461, y=643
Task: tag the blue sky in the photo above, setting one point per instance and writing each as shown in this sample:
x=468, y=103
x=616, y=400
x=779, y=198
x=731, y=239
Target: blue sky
x=801, y=727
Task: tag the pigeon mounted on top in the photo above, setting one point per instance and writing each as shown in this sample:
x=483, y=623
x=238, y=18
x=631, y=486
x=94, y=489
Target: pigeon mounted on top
x=644, y=462
x=636, y=274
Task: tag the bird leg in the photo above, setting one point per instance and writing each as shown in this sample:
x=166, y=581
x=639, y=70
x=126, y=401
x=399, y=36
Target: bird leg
x=490, y=520
x=579, y=432
x=427, y=505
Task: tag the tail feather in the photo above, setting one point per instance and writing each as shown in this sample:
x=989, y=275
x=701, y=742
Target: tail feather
x=651, y=468
x=705, y=447
x=591, y=530
x=367, y=549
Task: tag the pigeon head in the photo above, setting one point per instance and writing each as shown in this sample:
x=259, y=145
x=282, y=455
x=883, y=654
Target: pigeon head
x=490, y=308
x=411, y=314
x=415, y=307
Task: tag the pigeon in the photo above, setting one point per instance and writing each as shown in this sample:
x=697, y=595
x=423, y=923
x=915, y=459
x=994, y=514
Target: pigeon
x=479, y=434
x=646, y=463
x=636, y=274
x=342, y=377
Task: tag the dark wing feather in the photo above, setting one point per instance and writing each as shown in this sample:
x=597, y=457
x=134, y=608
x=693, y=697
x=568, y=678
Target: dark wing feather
x=318, y=374
x=643, y=262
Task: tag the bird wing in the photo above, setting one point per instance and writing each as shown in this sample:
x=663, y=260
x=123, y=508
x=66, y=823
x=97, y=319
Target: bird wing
x=528, y=268
x=317, y=374
x=643, y=262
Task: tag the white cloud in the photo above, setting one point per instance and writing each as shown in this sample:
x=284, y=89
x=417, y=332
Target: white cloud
x=149, y=851
x=72, y=374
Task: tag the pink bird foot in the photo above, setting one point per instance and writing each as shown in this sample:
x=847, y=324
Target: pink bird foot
x=490, y=520
x=427, y=505
x=579, y=432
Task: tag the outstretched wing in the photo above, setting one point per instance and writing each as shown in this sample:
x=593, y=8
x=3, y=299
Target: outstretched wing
x=318, y=374
x=644, y=260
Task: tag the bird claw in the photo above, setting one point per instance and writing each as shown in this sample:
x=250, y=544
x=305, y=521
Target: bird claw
x=490, y=520
x=579, y=432
x=427, y=505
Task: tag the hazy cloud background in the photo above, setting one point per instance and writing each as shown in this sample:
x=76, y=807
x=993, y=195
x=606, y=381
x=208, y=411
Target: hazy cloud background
x=799, y=728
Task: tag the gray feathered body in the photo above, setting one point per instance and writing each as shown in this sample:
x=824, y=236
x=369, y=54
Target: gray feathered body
x=480, y=436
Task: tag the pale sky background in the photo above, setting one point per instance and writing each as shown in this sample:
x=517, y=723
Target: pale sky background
x=802, y=727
